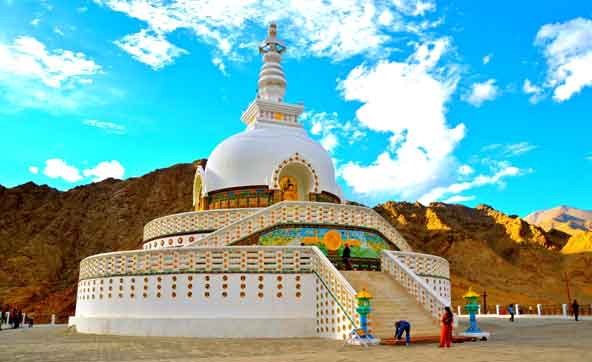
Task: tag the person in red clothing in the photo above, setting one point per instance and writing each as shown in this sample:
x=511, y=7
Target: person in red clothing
x=446, y=331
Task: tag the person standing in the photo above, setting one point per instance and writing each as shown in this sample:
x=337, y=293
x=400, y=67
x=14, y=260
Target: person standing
x=400, y=327
x=446, y=330
x=575, y=307
x=511, y=312
x=346, y=255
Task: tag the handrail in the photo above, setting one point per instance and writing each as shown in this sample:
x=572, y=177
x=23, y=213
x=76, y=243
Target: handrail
x=233, y=231
x=337, y=285
x=425, y=265
x=414, y=284
x=151, y=228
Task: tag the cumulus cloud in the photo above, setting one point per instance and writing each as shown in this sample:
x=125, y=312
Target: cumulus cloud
x=334, y=29
x=568, y=51
x=34, y=170
x=28, y=57
x=481, y=92
x=404, y=100
x=105, y=170
x=150, y=48
x=535, y=91
x=58, y=168
x=465, y=170
x=109, y=127
x=331, y=130
x=415, y=7
x=479, y=181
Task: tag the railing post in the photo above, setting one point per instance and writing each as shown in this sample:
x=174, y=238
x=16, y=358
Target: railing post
x=52, y=319
x=458, y=308
x=479, y=311
x=539, y=310
x=517, y=310
x=564, y=310
x=24, y=317
x=497, y=307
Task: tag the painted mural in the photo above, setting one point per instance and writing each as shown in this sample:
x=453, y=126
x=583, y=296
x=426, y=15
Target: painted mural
x=362, y=244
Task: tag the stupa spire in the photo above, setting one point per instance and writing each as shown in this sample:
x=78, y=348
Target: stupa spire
x=272, y=82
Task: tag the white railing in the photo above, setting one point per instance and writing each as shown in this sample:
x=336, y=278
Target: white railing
x=297, y=212
x=230, y=259
x=424, y=264
x=194, y=221
x=339, y=288
x=414, y=284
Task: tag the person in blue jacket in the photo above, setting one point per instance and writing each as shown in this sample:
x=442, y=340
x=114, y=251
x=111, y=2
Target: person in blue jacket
x=400, y=327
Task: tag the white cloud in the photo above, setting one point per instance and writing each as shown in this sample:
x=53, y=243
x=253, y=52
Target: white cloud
x=509, y=150
x=28, y=57
x=150, y=48
x=334, y=29
x=479, y=181
x=219, y=63
x=487, y=58
x=58, y=168
x=518, y=149
x=331, y=130
x=568, y=51
x=34, y=170
x=481, y=92
x=105, y=170
x=458, y=199
x=107, y=126
x=529, y=88
x=58, y=31
x=407, y=101
x=414, y=7
x=329, y=142
x=35, y=21
x=465, y=170
x=82, y=9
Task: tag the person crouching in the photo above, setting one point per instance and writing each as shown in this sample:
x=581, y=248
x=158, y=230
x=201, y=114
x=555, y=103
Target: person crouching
x=400, y=327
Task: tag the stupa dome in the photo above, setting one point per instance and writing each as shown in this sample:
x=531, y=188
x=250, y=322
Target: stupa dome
x=262, y=152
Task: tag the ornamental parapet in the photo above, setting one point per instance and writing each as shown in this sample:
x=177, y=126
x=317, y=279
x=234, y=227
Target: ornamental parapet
x=193, y=222
x=305, y=213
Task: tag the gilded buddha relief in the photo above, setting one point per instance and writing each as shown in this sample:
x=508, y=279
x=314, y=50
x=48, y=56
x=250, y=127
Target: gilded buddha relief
x=289, y=188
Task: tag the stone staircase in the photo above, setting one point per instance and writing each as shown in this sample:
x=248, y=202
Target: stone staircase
x=390, y=303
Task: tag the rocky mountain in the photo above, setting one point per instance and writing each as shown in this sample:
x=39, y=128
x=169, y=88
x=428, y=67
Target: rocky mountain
x=575, y=222
x=503, y=255
x=564, y=218
x=44, y=233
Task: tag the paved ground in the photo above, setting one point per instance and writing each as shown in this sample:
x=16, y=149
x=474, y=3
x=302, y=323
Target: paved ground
x=525, y=340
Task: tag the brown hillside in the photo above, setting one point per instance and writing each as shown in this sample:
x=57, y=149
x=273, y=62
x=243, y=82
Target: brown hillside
x=488, y=250
x=44, y=233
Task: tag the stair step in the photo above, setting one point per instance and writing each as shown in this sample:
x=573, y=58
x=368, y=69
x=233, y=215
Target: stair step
x=390, y=303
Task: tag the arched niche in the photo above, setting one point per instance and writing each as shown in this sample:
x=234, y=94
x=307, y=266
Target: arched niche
x=199, y=189
x=295, y=179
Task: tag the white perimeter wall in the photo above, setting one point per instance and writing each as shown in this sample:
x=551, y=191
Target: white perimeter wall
x=201, y=305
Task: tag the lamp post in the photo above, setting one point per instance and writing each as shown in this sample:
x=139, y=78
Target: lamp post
x=472, y=307
x=363, y=310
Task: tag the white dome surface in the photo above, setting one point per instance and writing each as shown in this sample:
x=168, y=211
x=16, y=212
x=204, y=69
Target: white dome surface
x=249, y=158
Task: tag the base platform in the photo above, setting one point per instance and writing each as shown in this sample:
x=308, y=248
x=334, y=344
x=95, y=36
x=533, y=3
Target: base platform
x=425, y=340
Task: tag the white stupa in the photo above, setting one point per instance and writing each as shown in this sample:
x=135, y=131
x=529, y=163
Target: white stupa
x=259, y=254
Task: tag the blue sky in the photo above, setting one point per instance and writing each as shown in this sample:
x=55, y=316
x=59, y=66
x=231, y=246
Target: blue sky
x=459, y=101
